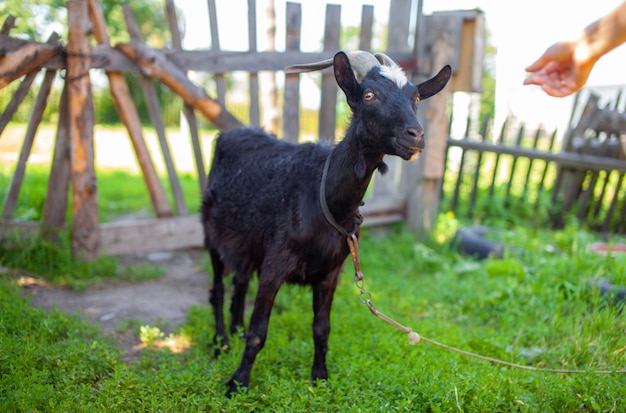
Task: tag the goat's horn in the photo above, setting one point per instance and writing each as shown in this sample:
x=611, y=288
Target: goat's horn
x=385, y=60
x=360, y=61
x=309, y=67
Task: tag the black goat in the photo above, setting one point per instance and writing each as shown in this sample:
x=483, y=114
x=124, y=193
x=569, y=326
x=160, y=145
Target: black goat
x=261, y=211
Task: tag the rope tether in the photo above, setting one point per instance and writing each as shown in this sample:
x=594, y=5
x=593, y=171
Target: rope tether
x=414, y=338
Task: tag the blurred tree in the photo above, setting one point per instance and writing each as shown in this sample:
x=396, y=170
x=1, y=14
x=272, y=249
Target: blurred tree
x=37, y=19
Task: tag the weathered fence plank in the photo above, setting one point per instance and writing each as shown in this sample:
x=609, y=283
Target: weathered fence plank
x=188, y=112
x=127, y=112
x=220, y=84
x=518, y=142
x=291, y=107
x=8, y=24
x=253, y=77
x=327, y=119
x=33, y=124
x=367, y=21
x=190, y=116
x=154, y=111
x=55, y=205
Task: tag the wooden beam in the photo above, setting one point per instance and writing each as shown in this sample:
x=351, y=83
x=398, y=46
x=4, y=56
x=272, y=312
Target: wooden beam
x=22, y=89
x=85, y=233
x=130, y=118
x=134, y=237
x=575, y=161
x=8, y=24
x=150, y=235
x=30, y=57
x=55, y=205
x=154, y=111
x=27, y=145
x=111, y=59
x=156, y=65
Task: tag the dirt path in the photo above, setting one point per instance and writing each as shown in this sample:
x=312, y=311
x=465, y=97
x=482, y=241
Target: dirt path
x=163, y=302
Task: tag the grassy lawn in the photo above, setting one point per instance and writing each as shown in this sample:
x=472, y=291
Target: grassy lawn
x=535, y=308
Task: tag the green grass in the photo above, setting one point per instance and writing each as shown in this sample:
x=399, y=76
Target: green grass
x=54, y=262
x=119, y=193
x=535, y=308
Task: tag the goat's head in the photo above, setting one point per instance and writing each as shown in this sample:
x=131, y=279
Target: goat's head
x=383, y=101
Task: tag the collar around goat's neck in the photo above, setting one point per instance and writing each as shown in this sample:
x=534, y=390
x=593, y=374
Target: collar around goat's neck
x=327, y=214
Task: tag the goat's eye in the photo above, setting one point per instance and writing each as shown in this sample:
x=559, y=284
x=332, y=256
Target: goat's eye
x=417, y=99
x=368, y=96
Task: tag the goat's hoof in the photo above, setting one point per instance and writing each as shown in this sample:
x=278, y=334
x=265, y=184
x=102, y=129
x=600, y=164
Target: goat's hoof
x=233, y=387
x=220, y=345
x=318, y=378
x=238, y=332
x=217, y=351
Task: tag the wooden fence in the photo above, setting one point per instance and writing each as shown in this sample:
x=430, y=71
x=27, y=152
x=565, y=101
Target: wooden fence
x=529, y=172
x=438, y=41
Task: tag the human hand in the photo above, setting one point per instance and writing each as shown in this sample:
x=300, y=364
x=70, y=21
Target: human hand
x=562, y=70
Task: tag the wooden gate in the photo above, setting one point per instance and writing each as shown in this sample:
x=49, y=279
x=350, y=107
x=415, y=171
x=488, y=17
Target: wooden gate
x=393, y=196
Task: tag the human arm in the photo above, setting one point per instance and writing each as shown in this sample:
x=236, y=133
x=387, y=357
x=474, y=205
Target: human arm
x=564, y=67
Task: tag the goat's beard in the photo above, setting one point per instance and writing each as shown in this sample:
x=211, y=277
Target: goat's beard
x=415, y=155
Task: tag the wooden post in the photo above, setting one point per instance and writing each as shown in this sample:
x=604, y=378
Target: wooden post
x=253, y=77
x=29, y=139
x=187, y=109
x=386, y=186
x=8, y=24
x=328, y=104
x=291, y=109
x=85, y=226
x=423, y=198
x=55, y=205
x=154, y=111
x=130, y=118
x=220, y=83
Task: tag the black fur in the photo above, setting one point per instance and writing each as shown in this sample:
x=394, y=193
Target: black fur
x=261, y=211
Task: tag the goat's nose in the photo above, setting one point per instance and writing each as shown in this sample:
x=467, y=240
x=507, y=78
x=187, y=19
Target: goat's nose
x=415, y=133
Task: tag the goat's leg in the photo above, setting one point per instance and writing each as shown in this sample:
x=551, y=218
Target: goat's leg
x=257, y=330
x=237, y=305
x=216, y=298
x=322, y=302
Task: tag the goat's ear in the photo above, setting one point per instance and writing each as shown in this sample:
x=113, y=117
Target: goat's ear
x=434, y=85
x=345, y=78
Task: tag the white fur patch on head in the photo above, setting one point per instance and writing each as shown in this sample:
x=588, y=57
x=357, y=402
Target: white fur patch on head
x=395, y=74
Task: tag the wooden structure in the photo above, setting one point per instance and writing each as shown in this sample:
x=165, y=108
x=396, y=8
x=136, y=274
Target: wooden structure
x=395, y=197
x=584, y=175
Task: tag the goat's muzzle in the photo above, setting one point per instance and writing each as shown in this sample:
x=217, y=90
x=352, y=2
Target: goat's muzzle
x=411, y=140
